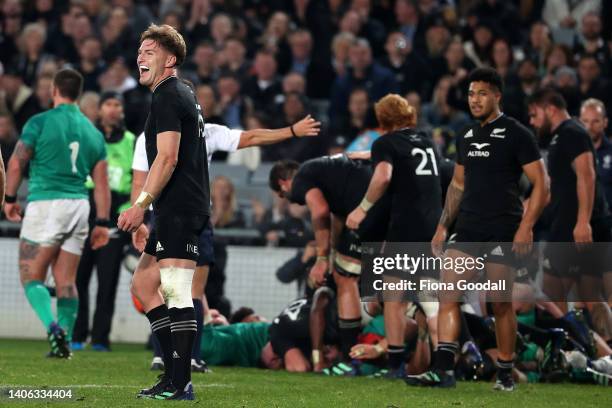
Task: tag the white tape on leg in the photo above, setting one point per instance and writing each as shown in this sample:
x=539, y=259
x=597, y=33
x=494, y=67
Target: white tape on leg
x=176, y=286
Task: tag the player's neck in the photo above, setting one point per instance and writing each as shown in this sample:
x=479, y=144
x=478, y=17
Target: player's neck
x=558, y=118
x=60, y=100
x=597, y=141
x=494, y=115
x=171, y=72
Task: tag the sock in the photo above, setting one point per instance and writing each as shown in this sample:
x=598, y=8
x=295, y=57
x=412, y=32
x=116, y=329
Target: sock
x=67, y=310
x=40, y=300
x=504, y=368
x=396, y=356
x=196, y=352
x=445, y=356
x=183, y=328
x=157, y=348
x=349, y=330
x=160, y=326
x=464, y=331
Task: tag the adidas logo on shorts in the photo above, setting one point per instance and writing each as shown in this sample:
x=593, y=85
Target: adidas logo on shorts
x=497, y=251
x=175, y=355
x=159, y=247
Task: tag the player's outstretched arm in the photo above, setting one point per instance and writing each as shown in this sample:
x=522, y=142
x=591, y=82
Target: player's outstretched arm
x=378, y=185
x=539, y=198
x=585, y=189
x=454, y=194
x=16, y=166
x=321, y=224
x=102, y=198
x=259, y=137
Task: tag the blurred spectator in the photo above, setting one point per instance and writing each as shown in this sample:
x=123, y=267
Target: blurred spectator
x=275, y=38
x=197, y=25
x=12, y=13
x=297, y=268
x=528, y=82
x=440, y=114
x=503, y=62
x=117, y=78
x=59, y=39
x=31, y=55
x=371, y=29
x=174, y=18
x=591, y=82
x=411, y=71
x=208, y=101
x=563, y=17
x=220, y=30
x=501, y=14
x=592, y=42
x=8, y=136
x=201, y=66
x=225, y=211
x=337, y=145
x=478, y=49
x=91, y=65
x=409, y=23
x=18, y=97
x=234, y=58
x=139, y=14
x=285, y=224
x=42, y=90
x=43, y=11
x=264, y=87
x=118, y=39
x=566, y=81
x=359, y=118
x=364, y=72
x=540, y=41
x=294, y=82
x=232, y=105
x=341, y=44
x=559, y=55
x=88, y=104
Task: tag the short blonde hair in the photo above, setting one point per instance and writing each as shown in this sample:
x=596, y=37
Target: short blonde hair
x=394, y=112
x=168, y=38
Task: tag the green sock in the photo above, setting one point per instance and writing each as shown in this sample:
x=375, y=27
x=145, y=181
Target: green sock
x=40, y=300
x=67, y=309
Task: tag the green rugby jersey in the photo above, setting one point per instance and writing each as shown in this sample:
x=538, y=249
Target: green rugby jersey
x=66, y=147
x=238, y=344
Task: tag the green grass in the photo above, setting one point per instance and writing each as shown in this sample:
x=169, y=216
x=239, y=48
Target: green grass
x=112, y=380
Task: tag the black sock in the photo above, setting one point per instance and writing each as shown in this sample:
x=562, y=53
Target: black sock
x=160, y=325
x=444, y=357
x=504, y=368
x=196, y=352
x=157, y=348
x=464, y=331
x=183, y=328
x=396, y=356
x=349, y=330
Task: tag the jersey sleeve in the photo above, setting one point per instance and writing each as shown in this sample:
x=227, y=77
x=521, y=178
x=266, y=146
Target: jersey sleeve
x=167, y=113
x=526, y=148
x=140, y=162
x=221, y=138
x=303, y=181
x=459, y=142
x=575, y=143
x=101, y=146
x=382, y=151
x=31, y=131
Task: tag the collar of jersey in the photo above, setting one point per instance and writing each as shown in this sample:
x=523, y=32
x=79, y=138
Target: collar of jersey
x=494, y=120
x=163, y=81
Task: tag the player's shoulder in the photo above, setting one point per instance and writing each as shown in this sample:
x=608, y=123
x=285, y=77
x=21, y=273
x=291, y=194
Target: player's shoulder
x=572, y=128
x=38, y=121
x=467, y=131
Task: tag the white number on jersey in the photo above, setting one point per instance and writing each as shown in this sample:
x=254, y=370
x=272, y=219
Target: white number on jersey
x=74, y=152
x=421, y=169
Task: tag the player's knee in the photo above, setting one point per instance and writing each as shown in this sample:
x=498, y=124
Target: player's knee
x=176, y=286
x=298, y=366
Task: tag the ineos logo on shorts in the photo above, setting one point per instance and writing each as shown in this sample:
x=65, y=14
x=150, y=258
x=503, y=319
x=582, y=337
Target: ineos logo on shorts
x=193, y=249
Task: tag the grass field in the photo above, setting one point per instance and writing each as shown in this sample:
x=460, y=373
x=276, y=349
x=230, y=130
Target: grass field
x=112, y=380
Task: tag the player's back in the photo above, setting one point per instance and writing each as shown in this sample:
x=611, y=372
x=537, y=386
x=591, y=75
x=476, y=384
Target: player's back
x=416, y=196
x=66, y=146
x=343, y=181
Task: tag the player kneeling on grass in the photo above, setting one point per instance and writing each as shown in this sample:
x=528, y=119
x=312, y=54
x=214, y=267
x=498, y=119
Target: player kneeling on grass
x=62, y=147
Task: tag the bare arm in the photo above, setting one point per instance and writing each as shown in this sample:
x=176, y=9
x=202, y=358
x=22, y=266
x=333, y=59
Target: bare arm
x=380, y=181
x=138, y=182
x=163, y=166
x=16, y=166
x=321, y=222
x=320, y=300
x=585, y=185
x=361, y=155
x=454, y=195
x=540, y=194
x=102, y=195
x=259, y=137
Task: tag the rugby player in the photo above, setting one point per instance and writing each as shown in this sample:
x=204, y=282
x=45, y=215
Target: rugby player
x=218, y=138
x=331, y=186
x=178, y=187
x=62, y=147
x=405, y=165
x=484, y=200
x=578, y=205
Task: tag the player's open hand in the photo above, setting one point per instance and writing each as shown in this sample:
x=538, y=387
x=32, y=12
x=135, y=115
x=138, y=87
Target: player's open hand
x=523, y=241
x=12, y=212
x=307, y=127
x=583, y=234
x=140, y=237
x=318, y=272
x=438, y=240
x=131, y=219
x=365, y=352
x=99, y=237
x=355, y=218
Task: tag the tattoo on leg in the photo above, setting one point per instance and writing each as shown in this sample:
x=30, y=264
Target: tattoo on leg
x=28, y=251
